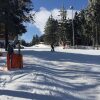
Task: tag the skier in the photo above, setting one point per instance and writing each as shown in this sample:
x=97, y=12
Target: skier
x=10, y=53
x=52, y=47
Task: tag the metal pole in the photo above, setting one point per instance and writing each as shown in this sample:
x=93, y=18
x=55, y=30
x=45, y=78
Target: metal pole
x=97, y=36
x=19, y=47
x=71, y=7
x=73, y=29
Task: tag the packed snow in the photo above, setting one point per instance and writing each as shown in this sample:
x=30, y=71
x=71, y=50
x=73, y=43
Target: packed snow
x=66, y=74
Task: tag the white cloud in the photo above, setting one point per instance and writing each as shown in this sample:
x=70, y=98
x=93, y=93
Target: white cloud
x=55, y=13
x=41, y=18
x=43, y=14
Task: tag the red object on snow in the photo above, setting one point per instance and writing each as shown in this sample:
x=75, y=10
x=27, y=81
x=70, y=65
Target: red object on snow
x=14, y=61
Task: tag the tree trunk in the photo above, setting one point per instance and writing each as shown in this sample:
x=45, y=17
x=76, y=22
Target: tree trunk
x=6, y=38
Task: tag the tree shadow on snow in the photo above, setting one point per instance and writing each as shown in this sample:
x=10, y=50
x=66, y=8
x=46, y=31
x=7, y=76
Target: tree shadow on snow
x=61, y=56
x=27, y=95
x=54, y=77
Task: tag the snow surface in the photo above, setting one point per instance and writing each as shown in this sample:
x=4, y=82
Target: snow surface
x=70, y=74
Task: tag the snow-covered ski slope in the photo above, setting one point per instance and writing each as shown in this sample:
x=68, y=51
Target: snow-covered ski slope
x=62, y=75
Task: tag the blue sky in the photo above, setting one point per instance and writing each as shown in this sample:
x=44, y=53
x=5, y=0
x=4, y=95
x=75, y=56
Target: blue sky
x=50, y=4
x=44, y=8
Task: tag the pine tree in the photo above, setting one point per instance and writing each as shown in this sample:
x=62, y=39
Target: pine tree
x=35, y=40
x=77, y=26
x=51, y=36
x=93, y=14
x=63, y=28
x=12, y=15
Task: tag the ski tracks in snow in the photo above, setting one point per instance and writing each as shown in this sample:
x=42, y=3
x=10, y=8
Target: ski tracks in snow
x=53, y=76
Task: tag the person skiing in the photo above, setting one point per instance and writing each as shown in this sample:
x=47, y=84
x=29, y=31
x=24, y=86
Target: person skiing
x=52, y=47
x=10, y=53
